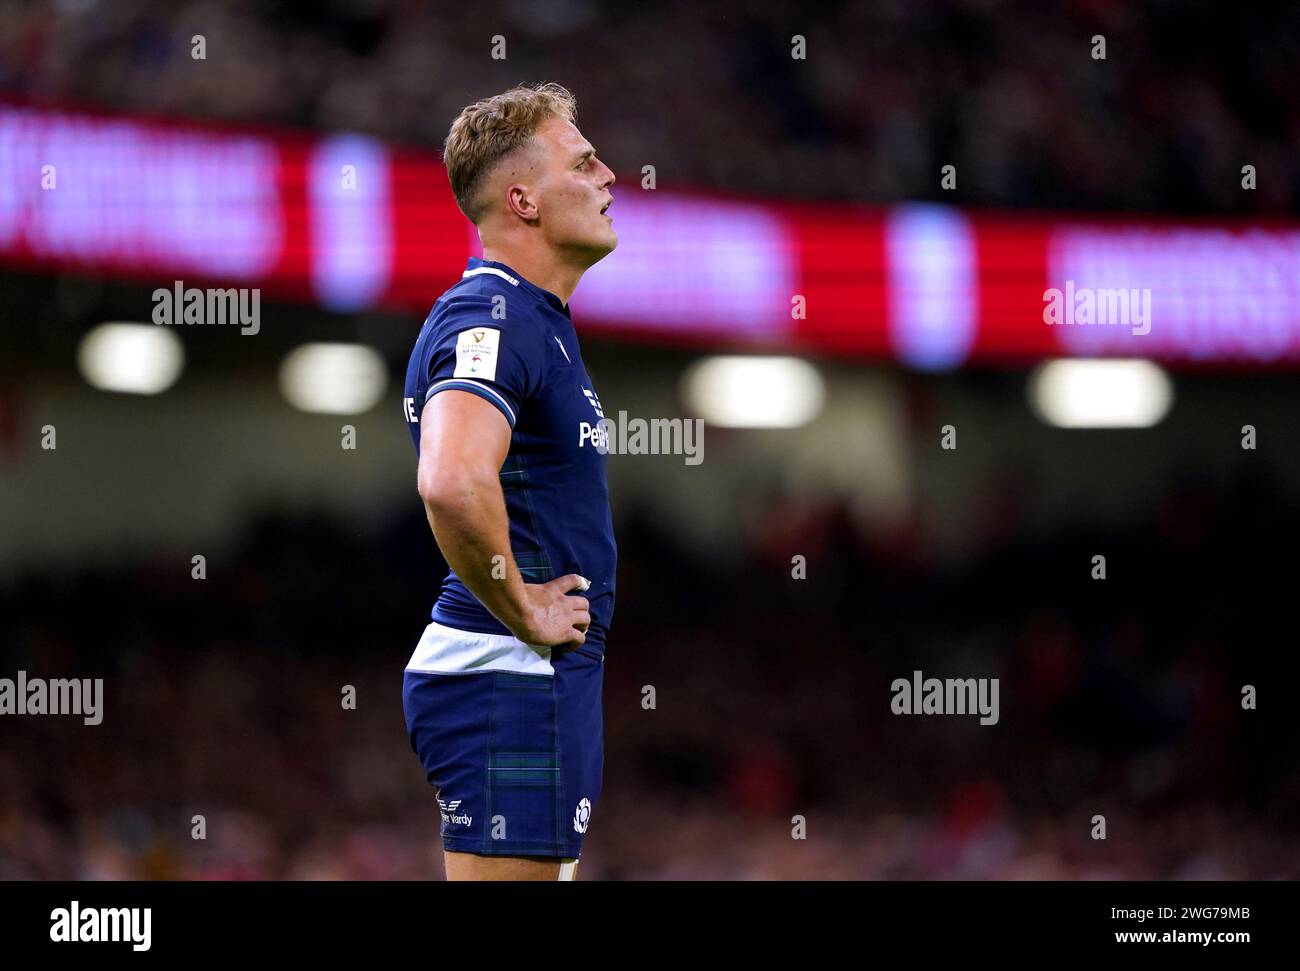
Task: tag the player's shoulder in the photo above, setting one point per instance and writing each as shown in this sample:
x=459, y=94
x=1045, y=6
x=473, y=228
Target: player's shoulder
x=486, y=310
x=491, y=300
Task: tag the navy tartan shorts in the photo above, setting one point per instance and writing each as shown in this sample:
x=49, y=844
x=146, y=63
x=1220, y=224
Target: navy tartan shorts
x=517, y=760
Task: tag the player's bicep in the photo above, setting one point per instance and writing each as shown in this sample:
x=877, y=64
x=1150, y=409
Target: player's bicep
x=463, y=438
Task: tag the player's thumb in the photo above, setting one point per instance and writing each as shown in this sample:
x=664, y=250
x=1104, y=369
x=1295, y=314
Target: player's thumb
x=570, y=582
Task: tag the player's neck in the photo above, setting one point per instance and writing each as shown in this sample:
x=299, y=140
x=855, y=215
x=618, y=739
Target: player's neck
x=545, y=270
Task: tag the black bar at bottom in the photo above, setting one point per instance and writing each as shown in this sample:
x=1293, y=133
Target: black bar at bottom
x=592, y=921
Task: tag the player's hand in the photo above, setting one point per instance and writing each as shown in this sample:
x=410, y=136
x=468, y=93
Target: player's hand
x=552, y=617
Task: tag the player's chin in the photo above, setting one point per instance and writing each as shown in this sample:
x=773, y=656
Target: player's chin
x=595, y=248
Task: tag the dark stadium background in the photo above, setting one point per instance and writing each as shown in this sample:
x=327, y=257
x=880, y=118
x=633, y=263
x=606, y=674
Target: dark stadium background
x=1118, y=698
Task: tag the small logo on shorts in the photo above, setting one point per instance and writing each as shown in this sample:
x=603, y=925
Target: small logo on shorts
x=581, y=815
x=448, y=811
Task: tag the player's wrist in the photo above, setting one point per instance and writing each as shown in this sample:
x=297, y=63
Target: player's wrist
x=525, y=633
x=517, y=613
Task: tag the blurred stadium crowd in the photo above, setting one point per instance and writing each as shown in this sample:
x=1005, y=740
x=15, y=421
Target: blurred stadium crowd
x=1009, y=92
x=223, y=699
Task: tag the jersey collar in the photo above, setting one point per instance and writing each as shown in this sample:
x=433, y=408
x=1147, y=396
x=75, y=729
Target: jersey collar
x=476, y=266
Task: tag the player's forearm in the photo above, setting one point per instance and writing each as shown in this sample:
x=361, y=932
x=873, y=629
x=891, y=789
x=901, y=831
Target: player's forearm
x=469, y=522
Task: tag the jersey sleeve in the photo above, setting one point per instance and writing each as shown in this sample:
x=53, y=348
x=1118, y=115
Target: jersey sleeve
x=487, y=357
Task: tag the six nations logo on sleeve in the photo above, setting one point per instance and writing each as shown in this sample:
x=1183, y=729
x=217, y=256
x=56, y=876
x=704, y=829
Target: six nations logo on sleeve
x=476, y=353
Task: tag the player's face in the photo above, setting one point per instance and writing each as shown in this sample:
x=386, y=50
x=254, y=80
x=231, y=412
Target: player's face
x=572, y=190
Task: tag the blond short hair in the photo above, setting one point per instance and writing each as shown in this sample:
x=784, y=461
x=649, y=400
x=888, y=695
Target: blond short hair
x=489, y=130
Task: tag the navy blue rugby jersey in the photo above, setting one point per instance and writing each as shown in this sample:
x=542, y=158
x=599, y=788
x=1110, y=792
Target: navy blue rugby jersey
x=524, y=360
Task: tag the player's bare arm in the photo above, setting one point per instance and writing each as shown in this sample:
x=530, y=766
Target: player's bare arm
x=463, y=442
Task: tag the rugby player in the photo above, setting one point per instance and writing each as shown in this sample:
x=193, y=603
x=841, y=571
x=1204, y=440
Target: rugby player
x=503, y=693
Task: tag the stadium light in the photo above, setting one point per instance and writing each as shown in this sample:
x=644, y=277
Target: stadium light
x=334, y=379
x=131, y=358
x=1100, y=393
x=754, y=392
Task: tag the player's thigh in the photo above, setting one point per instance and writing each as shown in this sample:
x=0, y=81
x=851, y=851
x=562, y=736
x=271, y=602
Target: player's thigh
x=472, y=866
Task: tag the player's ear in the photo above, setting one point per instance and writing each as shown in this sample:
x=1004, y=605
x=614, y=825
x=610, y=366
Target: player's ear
x=520, y=200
